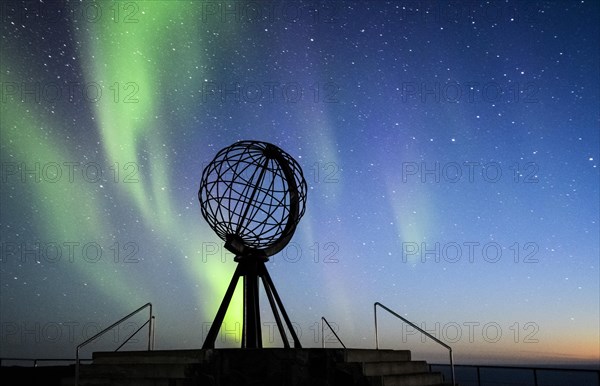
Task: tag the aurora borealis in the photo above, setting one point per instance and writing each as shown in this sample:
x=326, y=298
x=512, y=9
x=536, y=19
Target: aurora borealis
x=450, y=151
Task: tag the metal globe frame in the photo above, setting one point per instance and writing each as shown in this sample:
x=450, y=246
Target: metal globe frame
x=253, y=195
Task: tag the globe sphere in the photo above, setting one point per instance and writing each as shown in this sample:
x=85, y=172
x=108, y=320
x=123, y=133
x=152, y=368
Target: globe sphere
x=253, y=195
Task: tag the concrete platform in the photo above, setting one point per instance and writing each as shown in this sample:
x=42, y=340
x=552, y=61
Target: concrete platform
x=264, y=367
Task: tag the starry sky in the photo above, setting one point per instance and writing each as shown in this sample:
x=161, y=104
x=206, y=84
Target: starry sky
x=450, y=151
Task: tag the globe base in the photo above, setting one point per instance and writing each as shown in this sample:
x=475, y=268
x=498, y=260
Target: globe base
x=236, y=245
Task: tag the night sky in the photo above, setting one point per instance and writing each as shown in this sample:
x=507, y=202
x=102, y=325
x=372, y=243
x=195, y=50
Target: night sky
x=450, y=150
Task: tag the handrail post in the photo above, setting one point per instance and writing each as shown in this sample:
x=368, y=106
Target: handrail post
x=322, y=333
x=77, y=367
x=150, y=326
x=376, y=336
x=153, y=331
x=452, y=368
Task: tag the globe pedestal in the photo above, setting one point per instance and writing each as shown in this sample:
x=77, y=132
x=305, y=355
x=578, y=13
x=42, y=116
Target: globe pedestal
x=251, y=269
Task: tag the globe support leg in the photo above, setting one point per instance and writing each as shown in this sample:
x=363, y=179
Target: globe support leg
x=270, y=287
x=209, y=342
x=286, y=344
x=251, y=270
x=251, y=332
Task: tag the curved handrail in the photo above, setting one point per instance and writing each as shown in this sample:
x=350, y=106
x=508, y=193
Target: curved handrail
x=323, y=335
x=413, y=326
x=150, y=323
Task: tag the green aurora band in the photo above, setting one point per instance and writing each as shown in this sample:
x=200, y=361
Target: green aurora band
x=128, y=61
x=132, y=56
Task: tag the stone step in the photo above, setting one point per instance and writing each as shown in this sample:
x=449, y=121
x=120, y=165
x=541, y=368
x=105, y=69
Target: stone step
x=393, y=368
x=366, y=355
x=133, y=382
x=276, y=366
x=150, y=357
x=129, y=371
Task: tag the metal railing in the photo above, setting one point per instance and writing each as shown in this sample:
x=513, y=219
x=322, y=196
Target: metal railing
x=150, y=323
x=323, y=334
x=535, y=372
x=35, y=360
x=418, y=329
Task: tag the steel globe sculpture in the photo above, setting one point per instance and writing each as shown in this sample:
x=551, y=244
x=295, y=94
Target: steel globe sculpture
x=253, y=195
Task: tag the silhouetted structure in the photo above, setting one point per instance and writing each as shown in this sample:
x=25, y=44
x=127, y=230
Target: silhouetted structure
x=253, y=195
